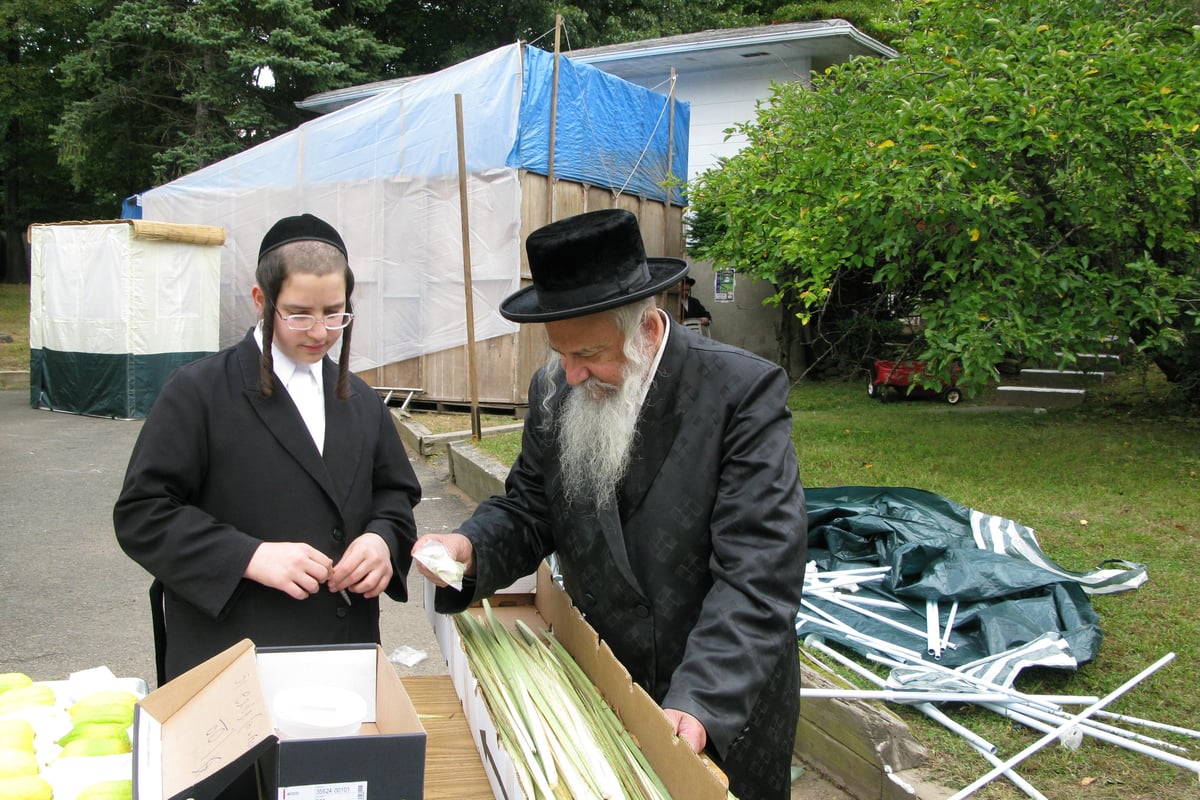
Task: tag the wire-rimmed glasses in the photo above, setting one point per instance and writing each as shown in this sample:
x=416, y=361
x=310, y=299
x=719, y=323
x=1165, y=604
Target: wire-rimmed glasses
x=306, y=322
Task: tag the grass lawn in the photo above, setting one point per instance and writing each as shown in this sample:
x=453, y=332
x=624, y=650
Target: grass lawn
x=1119, y=478
x=14, y=320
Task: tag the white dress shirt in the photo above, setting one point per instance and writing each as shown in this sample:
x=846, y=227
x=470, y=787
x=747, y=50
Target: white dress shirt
x=305, y=386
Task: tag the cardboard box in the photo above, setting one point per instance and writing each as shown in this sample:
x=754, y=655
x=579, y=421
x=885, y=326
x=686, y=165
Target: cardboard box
x=683, y=772
x=198, y=732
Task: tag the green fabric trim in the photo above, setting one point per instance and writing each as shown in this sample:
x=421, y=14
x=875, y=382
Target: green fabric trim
x=98, y=384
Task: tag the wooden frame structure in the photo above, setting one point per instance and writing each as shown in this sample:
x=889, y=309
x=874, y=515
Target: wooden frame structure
x=505, y=364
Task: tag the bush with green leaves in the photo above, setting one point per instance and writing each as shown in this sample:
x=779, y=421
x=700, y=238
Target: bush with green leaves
x=1024, y=179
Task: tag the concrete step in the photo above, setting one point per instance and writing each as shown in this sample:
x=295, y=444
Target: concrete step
x=1095, y=361
x=1039, y=396
x=1062, y=378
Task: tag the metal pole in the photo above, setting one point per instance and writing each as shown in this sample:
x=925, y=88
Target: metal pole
x=667, y=171
x=903, y=696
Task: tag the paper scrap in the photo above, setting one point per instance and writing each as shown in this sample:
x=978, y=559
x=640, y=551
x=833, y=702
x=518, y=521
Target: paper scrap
x=408, y=656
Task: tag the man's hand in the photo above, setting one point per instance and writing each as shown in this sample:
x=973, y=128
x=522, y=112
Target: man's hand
x=365, y=567
x=458, y=547
x=688, y=728
x=291, y=567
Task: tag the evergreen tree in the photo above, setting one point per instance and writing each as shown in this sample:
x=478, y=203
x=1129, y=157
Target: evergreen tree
x=165, y=87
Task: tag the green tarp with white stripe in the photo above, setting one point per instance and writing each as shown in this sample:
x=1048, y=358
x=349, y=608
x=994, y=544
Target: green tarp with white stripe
x=941, y=564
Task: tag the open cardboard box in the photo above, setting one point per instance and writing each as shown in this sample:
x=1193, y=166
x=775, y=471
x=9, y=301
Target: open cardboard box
x=683, y=772
x=198, y=732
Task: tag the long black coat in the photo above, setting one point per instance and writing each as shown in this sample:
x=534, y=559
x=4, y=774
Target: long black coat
x=219, y=468
x=695, y=580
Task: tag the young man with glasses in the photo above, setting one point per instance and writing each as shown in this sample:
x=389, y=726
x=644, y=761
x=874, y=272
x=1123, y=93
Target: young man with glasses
x=269, y=493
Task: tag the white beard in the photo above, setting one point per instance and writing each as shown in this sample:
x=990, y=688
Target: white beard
x=597, y=429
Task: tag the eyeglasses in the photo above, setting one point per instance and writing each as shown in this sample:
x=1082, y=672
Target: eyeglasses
x=305, y=322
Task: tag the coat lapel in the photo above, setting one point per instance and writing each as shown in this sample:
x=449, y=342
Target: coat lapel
x=609, y=521
x=344, y=440
x=280, y=416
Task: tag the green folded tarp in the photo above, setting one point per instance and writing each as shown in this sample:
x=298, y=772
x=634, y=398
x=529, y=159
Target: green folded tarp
x=1009, y=593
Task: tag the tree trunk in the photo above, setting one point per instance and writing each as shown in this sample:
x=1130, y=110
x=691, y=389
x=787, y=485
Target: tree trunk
x=14, y=263
x=1186, y=376
x=795, y=344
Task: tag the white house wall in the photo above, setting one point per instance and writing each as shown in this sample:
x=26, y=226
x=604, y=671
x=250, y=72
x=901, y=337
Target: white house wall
x=719, y=98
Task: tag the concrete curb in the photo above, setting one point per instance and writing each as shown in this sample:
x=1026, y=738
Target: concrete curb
x=14, y=379
x=421, y=440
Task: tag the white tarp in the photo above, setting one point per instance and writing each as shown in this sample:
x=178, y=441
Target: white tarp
x=384, y=172
x=96, y=288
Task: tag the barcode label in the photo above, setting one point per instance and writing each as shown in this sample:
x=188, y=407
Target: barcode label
x=353, y=790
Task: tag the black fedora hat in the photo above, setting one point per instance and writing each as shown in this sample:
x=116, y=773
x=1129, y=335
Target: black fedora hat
x=586, y=264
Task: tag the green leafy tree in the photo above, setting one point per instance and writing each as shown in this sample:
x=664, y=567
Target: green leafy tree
x=612, y=21
x=1023, y=180
x=439, y=34
x=165, y=87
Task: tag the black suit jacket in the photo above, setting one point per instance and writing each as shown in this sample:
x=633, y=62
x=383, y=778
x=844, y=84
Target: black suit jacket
x=694, y=581
x=219, y=468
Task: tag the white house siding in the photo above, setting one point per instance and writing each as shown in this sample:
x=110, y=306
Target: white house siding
x=721, y=98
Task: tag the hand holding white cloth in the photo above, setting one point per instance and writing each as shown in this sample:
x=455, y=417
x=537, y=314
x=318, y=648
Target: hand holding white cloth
x=436, y=558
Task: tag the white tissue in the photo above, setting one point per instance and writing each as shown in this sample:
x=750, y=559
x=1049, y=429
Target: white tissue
x=436, y=558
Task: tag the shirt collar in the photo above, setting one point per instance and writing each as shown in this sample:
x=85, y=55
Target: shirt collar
x=662, y=348
x=284, y=367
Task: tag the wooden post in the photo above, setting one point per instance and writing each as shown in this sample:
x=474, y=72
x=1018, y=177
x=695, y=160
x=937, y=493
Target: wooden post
x=476, y=428
x=670, y=162
x=553, y=124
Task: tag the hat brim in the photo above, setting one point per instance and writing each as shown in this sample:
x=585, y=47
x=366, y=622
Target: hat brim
x=523, y=305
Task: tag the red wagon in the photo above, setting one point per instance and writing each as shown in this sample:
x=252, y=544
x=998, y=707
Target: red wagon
x=892, y=379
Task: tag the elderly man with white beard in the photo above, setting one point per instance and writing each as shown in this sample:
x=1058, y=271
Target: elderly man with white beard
x=658, y=465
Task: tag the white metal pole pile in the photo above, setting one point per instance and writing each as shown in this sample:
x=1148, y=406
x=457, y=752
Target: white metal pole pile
x=1061, y=729
x=1120, y=740
x=1039, y=712
x=981, y=745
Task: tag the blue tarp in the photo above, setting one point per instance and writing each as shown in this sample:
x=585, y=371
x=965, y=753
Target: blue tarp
x=608, y=132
